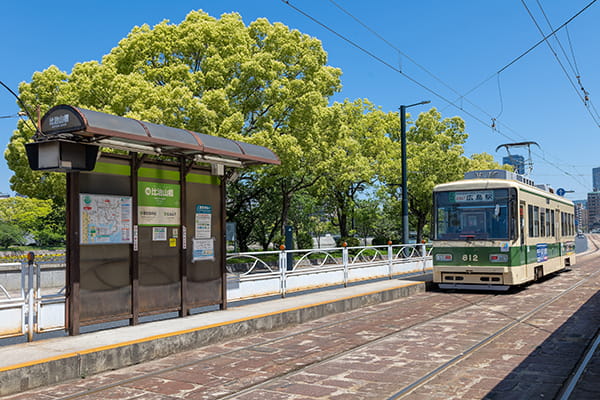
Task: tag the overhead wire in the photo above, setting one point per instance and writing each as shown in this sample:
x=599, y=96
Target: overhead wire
x=30, y=119
x=387, y=64
x=514, y=60
x=380, y=37
x=555, y=36
x=443, y=98
x=460, y=98
x=584, y=98
x=572, y=51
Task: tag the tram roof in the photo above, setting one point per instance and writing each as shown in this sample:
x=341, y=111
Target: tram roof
x=87, y=126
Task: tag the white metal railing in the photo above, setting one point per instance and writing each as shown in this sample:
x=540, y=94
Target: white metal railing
x=13, y=307
x=27, y=311
x=259, y=274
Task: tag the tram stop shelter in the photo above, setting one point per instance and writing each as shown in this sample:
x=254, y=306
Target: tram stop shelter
x=145, y=226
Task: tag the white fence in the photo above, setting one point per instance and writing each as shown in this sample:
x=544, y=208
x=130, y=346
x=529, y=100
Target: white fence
x=258, y=274
x=27, y=310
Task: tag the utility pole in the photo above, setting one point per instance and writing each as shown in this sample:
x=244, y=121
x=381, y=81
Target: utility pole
x=405, y=232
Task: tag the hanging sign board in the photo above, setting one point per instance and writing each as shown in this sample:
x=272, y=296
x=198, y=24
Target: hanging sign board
x=158, y=204
x=105, y=219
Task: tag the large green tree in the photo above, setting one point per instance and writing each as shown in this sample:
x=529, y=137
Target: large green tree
x=357, y=143
x=262, y=83
x=38, y=218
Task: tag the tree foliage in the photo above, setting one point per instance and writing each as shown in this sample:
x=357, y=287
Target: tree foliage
x=266, y=84
x=259, y=83
x=262, y=83
x=40, y=219
x=27, y=214
x=357, y=144
x=10, y=235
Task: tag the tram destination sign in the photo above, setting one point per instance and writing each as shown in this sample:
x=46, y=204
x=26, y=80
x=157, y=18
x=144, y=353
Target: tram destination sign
x=472, y=196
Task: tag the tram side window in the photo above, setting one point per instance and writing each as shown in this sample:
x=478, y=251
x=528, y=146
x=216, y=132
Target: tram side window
x=542, y=222
x=571, y=225
x=533, y=213
x=552, y=223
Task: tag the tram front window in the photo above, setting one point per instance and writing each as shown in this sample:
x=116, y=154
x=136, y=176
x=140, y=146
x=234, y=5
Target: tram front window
x=472, y=215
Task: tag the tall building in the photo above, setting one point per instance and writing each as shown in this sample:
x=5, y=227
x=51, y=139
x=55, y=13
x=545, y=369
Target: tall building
x=593, y=206
x=581, y=215
x=596, y=179
x=518, y=162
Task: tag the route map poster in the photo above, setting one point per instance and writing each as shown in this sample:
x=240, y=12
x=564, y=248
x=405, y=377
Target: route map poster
x=105, y=219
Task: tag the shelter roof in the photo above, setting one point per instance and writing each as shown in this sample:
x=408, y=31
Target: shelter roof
x=78, y=124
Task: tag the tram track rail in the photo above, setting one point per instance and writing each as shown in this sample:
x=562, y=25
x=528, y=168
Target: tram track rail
x=102, y=388
x=573, y=380
x=571, y=384
x=487, y=340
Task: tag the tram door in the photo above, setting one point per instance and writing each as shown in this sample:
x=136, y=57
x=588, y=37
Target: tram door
x=558, y=230
x=522, y=233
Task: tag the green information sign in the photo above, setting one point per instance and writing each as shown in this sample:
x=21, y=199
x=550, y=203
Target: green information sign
x=158, y=204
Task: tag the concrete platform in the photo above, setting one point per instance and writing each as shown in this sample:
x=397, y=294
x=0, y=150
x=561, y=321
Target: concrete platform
x=30, y=365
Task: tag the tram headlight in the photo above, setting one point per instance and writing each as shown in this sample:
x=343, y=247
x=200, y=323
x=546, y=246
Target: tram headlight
x=443, y=257
x=499, y=258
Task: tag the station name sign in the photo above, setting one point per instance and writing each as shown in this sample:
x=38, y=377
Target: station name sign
x=472, y=196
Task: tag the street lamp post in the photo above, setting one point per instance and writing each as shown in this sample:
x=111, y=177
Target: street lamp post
x=404, y=169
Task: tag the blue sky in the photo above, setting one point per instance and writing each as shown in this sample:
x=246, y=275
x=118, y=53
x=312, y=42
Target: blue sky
x=456, y=46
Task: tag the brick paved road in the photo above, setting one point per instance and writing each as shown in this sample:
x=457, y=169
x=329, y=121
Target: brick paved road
x=379, y=351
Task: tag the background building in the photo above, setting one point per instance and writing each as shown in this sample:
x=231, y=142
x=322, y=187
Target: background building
x=596, y=179
x=581, y=215
x=593, y=207
x=518, y=162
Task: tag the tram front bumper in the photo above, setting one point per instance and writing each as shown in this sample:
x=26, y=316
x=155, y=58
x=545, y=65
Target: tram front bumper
x=454, y=277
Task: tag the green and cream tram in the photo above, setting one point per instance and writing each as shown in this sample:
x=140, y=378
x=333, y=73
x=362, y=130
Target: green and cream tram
x=496, y=229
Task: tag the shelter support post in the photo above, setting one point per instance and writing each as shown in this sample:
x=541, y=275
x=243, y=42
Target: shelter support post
x=134, y=253
x=183, y=269
x=73, y=256
x=223, y=243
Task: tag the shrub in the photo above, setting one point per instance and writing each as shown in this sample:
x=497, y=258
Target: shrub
x=304, y=240
x=351, y=241
x=48, y=238
x=10, y=235
x=380, y=240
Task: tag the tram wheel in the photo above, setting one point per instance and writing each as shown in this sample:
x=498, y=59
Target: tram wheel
x=538, y=273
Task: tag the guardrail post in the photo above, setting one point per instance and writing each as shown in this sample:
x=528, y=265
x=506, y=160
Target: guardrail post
x=423, y=255
x=282, y=269
x=345, y=262
x=30, y=288
x=390, y=258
